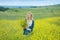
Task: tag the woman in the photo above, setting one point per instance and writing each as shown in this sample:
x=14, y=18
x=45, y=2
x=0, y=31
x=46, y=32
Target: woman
x=30, y=24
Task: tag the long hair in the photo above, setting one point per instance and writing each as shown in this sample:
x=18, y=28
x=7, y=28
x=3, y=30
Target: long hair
x=29, y=13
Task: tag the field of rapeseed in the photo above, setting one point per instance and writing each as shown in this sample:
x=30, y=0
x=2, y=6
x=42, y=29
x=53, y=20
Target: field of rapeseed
x=44, y=29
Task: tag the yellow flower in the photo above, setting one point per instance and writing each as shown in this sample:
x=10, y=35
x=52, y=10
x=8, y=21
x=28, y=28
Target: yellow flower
x=24, y=23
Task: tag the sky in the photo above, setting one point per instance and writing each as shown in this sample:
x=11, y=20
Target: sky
x=28, y=2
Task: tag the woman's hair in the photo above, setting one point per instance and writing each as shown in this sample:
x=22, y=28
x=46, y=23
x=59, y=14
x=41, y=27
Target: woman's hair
x=29, y=14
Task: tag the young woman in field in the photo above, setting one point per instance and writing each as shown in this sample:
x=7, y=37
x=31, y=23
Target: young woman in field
x=30, y=24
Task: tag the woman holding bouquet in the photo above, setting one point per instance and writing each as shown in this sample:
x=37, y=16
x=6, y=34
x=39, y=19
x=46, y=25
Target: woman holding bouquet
x=29, y=24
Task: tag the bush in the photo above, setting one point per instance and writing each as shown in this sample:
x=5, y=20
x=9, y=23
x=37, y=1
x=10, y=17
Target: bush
x=3, y=9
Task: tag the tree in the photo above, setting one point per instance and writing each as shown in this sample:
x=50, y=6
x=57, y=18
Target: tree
x=3, y=9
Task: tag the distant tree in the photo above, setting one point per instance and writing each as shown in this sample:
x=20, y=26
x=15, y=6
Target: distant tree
x=33, y=6
x=3, y=8
x=16, y=10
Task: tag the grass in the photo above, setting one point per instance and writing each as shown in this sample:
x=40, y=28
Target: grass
x=46, y=24
x=38, y=13
x=44, y=29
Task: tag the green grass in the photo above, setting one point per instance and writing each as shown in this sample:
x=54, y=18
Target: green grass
x=38, y=13
x=46, y=24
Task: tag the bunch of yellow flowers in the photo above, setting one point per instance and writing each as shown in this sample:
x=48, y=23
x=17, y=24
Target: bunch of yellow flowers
x=24, y=23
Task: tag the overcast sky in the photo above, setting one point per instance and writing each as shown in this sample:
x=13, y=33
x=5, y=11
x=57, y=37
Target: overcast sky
x=28, y=2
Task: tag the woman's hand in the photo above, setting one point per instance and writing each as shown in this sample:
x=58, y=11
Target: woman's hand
x=25, y=27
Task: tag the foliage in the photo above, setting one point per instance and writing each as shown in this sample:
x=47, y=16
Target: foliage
x=44, y=29
x=46, y=23
x=24, y=23
x=38, y=13
x=3, y=9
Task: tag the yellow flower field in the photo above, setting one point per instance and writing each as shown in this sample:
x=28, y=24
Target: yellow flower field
x=44, y=29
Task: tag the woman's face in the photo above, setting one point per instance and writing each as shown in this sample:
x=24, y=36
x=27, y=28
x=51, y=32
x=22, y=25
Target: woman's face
x=29, y=16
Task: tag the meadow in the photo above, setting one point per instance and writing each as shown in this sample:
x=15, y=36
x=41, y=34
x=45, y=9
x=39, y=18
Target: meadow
x=46, y=24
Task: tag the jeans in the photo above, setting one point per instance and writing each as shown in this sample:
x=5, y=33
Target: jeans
x=26, y=32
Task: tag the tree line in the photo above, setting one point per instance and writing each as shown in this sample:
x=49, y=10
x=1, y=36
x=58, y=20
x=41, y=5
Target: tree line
x=3, y=8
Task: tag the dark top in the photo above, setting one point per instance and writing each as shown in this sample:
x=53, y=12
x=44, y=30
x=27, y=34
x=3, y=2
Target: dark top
x=32, y=26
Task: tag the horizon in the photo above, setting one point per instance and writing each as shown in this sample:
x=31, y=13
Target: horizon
x=29, y=2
